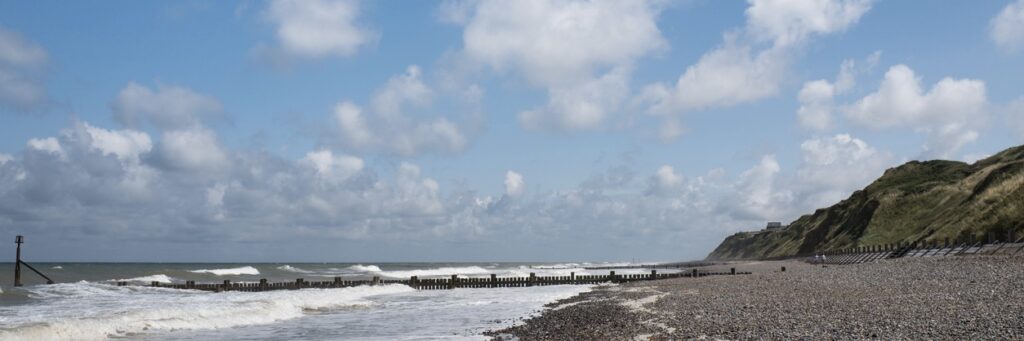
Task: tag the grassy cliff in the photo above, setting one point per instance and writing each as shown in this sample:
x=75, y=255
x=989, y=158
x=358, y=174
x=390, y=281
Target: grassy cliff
x=915, y=202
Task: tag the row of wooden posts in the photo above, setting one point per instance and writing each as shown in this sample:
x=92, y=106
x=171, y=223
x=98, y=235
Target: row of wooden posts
x=934, y=244
x=441, y=283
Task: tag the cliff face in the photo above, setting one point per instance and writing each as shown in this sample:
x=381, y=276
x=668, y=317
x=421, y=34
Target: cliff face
x=915, y=202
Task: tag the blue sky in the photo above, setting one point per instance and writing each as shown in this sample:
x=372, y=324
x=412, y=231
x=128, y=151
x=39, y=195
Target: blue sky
x=476, y=130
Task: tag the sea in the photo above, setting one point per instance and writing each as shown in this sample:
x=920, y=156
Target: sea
x=86, y=304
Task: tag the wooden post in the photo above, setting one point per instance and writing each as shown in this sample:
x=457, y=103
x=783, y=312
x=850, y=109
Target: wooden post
x=337, y=281
x=376, y=280
x=572, y=277
x=654, y=274
x=533, y=279
x=494, y=281
x=263, y=284
x=227, y=284
x=694, y=273
x=611, y=276
x=732, y=271
x=451, y=285
x=298, y=283
x=154, y=284
x=17, y=261
x=414, y=282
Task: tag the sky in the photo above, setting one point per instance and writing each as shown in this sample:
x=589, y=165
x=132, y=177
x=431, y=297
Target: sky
x=535, y=130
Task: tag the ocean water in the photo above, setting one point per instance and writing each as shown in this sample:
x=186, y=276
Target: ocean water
x=86, y=305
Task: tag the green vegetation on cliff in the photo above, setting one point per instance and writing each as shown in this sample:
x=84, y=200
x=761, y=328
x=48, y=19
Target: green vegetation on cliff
x=915, y=202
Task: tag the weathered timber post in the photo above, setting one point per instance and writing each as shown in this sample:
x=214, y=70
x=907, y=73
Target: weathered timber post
x=451, y=285
x=17, y=261
x=263, y=284
x=337, y=281
x=414, y=282
x=572, y=277
x=533, y=279
x=732, y=271
x=227, y=284
x=494, y=281
x=611, y=277
x=298, y=283
x=154, y=284
x=376, y=280
x=654, y=274
x=694, y=273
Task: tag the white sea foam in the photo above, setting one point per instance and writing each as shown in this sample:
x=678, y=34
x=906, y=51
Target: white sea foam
x=446, y=271
x=290, y=268
x=57, y=267
x=147, y=279
x=245, y=270
x=89, y=311
x=364, y=268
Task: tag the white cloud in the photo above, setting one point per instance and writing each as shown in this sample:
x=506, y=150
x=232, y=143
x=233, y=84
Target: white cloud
x=788, y=22
x=168, y=107
x=817, y=98
x=759, y=195
x=21, y=67
x=386, y=127
x=950, y=113
x=1007, y=28
x=48, y=145
x=195, y=150
x=834, y=167
x=514, y=184
x=564, y=47
x=126, y=144
x=583, y=105
x=319, y=28
x=751, y=63
x=330, y=168
x=5, y=158
x=729, y=75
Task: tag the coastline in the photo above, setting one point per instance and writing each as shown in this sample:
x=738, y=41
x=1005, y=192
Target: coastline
x=910, y=298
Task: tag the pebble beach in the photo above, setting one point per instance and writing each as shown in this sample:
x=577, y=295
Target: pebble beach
x=943, y=298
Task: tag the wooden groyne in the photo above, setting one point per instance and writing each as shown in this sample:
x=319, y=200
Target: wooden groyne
x=945, y=248
x=445, y=283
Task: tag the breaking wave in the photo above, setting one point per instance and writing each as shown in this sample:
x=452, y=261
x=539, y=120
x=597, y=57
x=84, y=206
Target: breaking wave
x=245, y=270
x=82, y=311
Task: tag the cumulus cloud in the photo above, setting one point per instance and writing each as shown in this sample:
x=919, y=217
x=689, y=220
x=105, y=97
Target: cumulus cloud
x=1007, y=28
x=49, y=145
x=194, y=150
x=319, y=28
x=950, y=113
x=385, y=126
x=786, y=22
x=21, y=71
x=166, y=107
x=332, y=168
x=514, y=185
x=111, y=184
x=817, y=98
x=751, y=63
x=834, y=167
x=580, y=52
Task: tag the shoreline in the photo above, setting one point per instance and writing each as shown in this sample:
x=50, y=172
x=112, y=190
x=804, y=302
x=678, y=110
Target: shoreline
x=909, y=298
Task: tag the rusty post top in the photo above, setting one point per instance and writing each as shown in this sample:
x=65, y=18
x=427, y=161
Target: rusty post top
x=19, y=239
